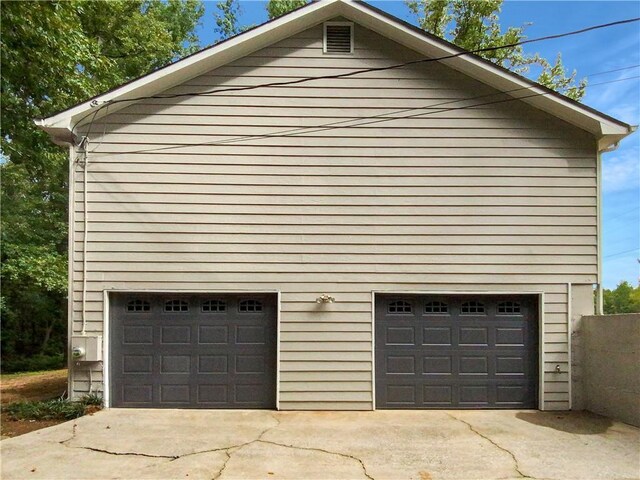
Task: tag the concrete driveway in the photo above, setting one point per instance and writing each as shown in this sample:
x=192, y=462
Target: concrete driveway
x=422, y=445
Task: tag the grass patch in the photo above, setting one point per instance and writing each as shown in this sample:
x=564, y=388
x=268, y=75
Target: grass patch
x=56, y=409
x=32, y=363
x=10, y=376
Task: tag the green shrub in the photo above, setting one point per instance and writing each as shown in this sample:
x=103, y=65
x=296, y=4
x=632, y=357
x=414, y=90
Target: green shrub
x=91, y=399
x=34, y=363
x=56, y=409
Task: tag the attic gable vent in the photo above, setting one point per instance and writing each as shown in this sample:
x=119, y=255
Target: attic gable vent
x=338, y=37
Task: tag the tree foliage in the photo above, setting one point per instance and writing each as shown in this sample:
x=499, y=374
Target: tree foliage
x=474, y=25
x=55, y=54
x=277, y=8
x=623, y=299
x=227, y=18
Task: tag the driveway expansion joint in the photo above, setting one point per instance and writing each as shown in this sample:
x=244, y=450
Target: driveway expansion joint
x=516, y=465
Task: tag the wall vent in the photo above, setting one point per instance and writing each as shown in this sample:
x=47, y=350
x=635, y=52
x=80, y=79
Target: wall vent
x=338, y=37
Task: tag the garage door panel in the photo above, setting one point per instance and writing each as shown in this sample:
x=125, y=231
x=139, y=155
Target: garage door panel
x=213, y=394
x=456, y=351
x=140, y=393
x=512, y=336
x=137, y=364
x=437, y=395
x=178, y=334
x=137, y=335
x=400, y=364
x=401, y=394
x=401, y=335
x=204, y=353
x=250, y=334
x=510, y=365
x=213, y=334
x=437, y=335
x=216, y=364
x=472, y=336
x=437, y=365
x=473, y=365
x=175, y=393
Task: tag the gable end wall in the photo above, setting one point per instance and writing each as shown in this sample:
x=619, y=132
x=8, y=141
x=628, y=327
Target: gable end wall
x=499, y=198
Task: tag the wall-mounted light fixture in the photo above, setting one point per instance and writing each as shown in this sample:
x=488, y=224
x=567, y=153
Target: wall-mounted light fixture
x=324, y=298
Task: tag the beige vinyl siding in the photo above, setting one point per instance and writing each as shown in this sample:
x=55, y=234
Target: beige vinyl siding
x=494, y=198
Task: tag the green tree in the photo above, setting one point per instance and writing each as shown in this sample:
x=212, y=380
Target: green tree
x=623, y=299
x=227, y=18
x=277, y=8
x=474, y=25
x=55, y=54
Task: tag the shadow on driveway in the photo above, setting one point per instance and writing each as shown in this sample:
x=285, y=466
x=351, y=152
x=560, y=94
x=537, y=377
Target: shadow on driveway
x=580, y=423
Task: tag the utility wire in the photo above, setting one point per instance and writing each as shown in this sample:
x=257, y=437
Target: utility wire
x=620, y=253
x=621, y=214
x=372, y=119
x=324, y=126
x=614, y=70
x=365, y=70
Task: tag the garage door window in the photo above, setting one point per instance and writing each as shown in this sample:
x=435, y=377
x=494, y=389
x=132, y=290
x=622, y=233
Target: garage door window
x=436, y=308
x=250, y=306
x=472, y=308
x=509, y=308
x=138, y=305
x=214, y=306
x=176, y=306
x=399, y=306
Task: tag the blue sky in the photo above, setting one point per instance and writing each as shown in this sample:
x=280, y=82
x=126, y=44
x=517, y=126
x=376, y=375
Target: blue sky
x=589, y=53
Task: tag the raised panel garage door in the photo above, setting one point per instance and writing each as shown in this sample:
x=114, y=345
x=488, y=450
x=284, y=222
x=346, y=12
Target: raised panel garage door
x=193, y=351
x=456, y=351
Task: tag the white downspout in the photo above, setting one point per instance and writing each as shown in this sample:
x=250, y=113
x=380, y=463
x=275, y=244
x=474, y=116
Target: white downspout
x=83, y=161
x=599, y=299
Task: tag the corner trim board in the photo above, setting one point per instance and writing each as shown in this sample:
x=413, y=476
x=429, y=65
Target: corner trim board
x=106, y=370
x=569, y=363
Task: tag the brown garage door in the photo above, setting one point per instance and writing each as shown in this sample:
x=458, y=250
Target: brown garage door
x=456, y=351
x=193, y=351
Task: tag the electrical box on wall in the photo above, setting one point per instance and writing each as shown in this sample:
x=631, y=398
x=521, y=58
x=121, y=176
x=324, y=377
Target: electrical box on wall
x=86, y=348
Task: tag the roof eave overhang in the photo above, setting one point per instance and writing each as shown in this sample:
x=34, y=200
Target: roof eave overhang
x=606, y=130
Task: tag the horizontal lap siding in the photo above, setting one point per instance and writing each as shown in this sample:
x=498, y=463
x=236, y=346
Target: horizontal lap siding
x=493, y=198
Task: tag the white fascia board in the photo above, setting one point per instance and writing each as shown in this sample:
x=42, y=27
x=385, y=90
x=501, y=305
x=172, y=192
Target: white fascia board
x=600, y=126
x=197, y=64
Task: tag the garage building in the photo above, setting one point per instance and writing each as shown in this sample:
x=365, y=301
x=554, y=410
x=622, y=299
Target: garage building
x=405, y=226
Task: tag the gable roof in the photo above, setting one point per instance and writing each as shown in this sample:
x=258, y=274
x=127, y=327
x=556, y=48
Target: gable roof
x=607, y=130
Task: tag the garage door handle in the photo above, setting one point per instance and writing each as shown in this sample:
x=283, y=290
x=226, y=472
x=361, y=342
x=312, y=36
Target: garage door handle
x=558, y=369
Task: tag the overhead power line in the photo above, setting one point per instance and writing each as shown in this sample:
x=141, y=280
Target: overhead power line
x=621, y=253
x=383, y=117
x=360, y=71
x=614, y=70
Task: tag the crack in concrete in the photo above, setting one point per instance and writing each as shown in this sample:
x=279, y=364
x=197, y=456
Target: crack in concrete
x=229, y=450
x=234, y=448
x=312, y=449
x=219, y=473
x=73, y=434
x=126, y=454
x=516, y=465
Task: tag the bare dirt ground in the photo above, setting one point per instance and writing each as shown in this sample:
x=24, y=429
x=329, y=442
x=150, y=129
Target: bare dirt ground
x=29, y=386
